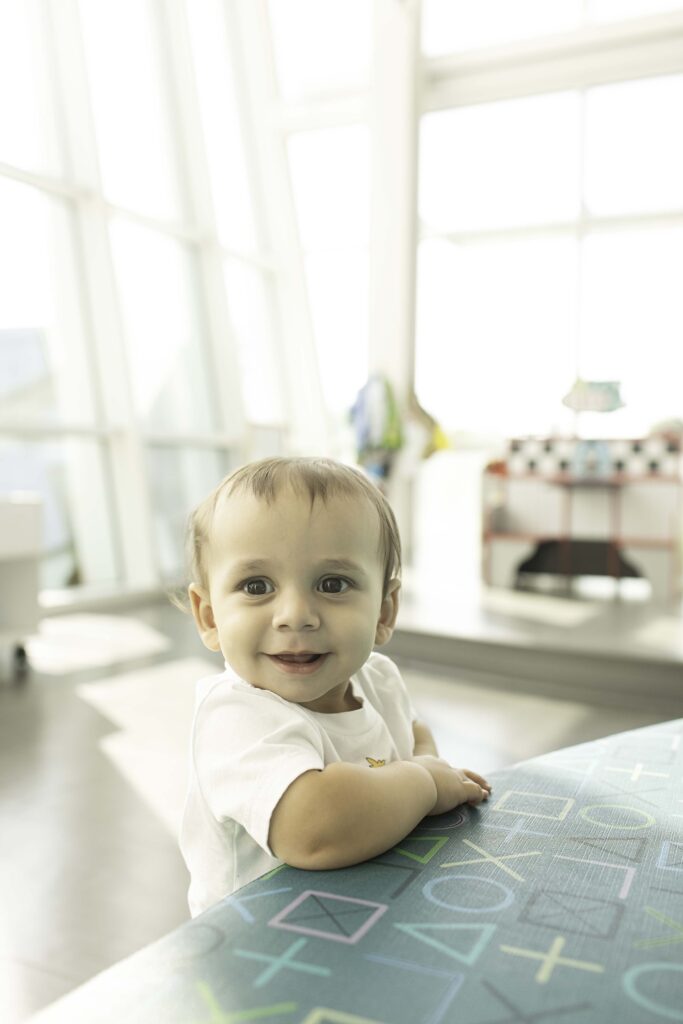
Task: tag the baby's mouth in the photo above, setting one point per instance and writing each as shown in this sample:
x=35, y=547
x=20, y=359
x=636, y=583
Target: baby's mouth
x=299, y=663
x=303, y=658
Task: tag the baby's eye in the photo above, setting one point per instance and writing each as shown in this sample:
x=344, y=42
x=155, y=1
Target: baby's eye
x=334, y=585
x=257, y=587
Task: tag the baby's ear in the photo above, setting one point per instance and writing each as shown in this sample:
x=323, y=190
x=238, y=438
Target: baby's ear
x=388, y=613
x=203, y=616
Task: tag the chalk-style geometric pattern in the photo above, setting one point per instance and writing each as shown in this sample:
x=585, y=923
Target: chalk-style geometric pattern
x=451, y=980
x=287, y=961
x=322, y=1015
x=552, y=959
x=328, y=916
x=477, y=937
x=410, y=847
x=534, y=805
x=576, y=914
x=559, y=899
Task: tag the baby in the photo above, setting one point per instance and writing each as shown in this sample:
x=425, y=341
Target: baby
x=306, y=749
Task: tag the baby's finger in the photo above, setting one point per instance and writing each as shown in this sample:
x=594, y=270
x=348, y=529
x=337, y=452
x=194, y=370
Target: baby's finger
x=475, y=793
x=479, y=779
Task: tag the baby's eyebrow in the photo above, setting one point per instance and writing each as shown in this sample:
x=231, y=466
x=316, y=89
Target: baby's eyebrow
x=343, y=565
x=328, y=564
x=252, y=565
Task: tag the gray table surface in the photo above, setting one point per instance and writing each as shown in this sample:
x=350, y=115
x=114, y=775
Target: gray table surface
x=560, y=899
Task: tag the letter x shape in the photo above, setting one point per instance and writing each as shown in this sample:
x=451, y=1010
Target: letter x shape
x=494, y=860
x=551, y=959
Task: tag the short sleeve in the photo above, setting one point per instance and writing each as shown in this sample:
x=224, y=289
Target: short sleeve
x=248, y=748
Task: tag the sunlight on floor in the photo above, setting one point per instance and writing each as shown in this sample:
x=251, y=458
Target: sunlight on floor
x=69, y=643
x=151, y=710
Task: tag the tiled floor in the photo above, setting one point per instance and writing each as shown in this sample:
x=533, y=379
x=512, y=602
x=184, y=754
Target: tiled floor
x=92, y=779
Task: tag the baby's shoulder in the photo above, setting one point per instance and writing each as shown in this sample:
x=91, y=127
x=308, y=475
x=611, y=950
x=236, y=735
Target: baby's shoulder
x=379, y=666
x=379, y=674
x=235, y=703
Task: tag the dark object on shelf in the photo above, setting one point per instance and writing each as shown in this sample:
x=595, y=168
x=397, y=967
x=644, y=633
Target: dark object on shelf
x=577, y=558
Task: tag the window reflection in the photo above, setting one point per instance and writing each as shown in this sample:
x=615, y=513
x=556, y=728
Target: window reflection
x=338, y=295
x=178, y=479
x=250, y=301
x=330, y=172
x=133, y=122
x=450, y=26
x=501, y=164
x=614, y=10
x=223, y=137
x=632, y=320
x=320, y=44
x=634, y=152
x=164, y=329
x=496, y=334
x=331, y=183
x=28, y=136
x=43, y=370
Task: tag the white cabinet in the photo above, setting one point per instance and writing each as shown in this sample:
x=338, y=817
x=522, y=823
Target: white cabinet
x=20, y=546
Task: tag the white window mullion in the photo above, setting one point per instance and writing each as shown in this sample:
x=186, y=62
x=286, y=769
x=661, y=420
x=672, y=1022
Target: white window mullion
x=305, y=412
x=393, y=234
x=394, y=231
x=108, y=368
x=130, y=495
x=574, y=60
x=224, y=375
x=226, y=378
x=181, y=87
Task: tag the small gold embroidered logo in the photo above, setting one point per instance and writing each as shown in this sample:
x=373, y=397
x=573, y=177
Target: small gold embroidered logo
x=375, y=764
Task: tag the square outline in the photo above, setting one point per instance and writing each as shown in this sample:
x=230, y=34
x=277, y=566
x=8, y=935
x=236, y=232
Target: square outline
x=617, y=910
x=277, y=921
x=569, y=802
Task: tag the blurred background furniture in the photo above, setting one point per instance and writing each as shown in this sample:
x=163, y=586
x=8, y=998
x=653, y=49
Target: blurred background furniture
x=571, y=507
x=20, y=550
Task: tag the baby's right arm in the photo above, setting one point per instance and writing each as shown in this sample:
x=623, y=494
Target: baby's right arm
x=347, y=813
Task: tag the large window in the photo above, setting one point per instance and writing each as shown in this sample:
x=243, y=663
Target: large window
x=139, y=313
x=188, y=271
x=551, y=209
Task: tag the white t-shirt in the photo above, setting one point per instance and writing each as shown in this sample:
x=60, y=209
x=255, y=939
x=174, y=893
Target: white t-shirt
x=248, y=745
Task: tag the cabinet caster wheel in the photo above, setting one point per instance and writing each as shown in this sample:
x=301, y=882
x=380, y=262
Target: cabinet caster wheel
x=20, y=661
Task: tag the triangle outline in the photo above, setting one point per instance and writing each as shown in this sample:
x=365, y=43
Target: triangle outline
x=486, y=933
x=438, y=842
x=596, y=843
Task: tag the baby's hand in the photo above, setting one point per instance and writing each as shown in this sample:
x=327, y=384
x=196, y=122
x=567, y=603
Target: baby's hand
x=454, y=786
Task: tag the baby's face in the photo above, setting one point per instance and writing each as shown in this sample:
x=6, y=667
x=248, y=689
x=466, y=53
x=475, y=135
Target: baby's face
x=295, y=594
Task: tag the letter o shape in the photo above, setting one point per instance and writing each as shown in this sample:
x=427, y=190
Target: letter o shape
x=649, y=820
x=508, y=897
x=629, y=982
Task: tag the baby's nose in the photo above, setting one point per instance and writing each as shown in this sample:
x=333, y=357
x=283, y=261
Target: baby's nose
x=295, y=610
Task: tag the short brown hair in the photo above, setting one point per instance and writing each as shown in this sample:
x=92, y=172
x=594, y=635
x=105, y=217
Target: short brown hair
x=318, y=478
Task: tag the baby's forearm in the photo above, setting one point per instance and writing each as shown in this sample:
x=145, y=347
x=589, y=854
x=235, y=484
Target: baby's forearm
x=360, y=812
